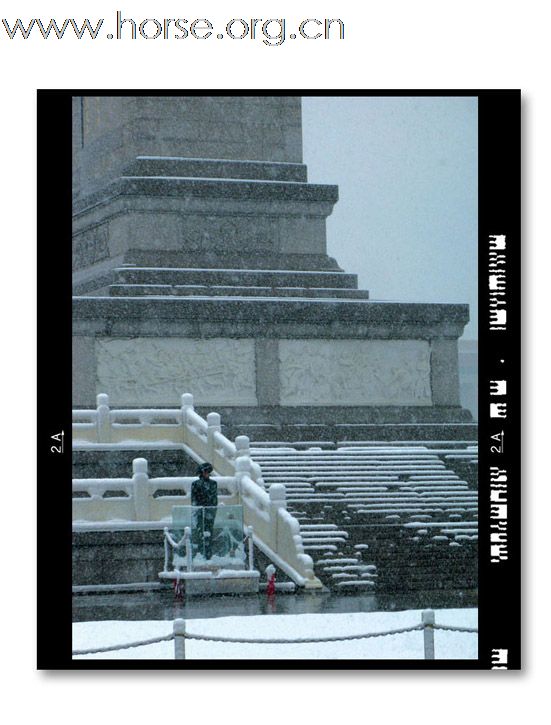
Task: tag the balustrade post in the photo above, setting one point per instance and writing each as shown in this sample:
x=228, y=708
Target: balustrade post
x=186, y=404
x=103, y=422
x=428, y=633
x=213, y=423
x=242, y=469
x=256, y=474
x=140, y=480
x=243, y=446
x=277, y=501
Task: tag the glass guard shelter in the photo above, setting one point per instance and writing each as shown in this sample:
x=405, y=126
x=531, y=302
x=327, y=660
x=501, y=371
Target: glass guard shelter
x=217, y=537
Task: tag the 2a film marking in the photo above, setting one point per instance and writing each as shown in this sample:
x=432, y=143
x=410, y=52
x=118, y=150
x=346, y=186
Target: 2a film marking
x=59, y=439
x=497, y=442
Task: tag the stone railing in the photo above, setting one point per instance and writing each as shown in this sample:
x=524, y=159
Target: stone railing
x=276, y=532
x=160, y=427
x=137, y=498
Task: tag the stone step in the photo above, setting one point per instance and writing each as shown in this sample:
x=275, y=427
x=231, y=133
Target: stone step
x=313, y=472
x=310, y=430
x=324, y=447
x=227, y=259
x=232, y=277
x=355, y=585
x=377, y=488
x=410, y=501
x=349, y=454
x=336, y=535
x=378, y=531
x=339, y=560
x=431, y=444
x=349, y=568
x=199, y=290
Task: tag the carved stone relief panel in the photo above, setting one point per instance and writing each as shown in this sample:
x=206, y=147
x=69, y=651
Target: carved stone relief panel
x=235, y=233
x=90, y=246
x=355, y=372
x=156, y=371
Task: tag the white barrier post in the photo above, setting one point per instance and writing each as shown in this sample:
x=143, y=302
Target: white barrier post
x=428, y=633
x=103, y=424
x=140, y=479
x=179, y=629
x=167, y=549
x=213, y=423
x=189, y=550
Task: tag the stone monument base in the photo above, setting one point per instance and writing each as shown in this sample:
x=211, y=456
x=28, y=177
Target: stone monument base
x=211, y=277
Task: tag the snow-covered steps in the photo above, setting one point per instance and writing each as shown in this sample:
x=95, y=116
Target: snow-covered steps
x=354, y=585
x=360, y=507
x=341, y=571
x=322, y=536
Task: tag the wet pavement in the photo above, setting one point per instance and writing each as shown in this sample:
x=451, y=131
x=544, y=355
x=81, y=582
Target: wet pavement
x=164, y=605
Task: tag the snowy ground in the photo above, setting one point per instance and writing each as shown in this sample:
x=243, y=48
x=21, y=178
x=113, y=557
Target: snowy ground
x=448, y=645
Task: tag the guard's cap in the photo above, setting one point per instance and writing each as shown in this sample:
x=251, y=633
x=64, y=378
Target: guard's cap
x=204, y=468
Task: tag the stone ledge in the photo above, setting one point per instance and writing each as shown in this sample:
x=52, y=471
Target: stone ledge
x=216, y=168
x=183, y=290
x=210, y=189
x=391, y=432
x=265, y=310
x=222, y=259
x=273, y=278
x=376, y=417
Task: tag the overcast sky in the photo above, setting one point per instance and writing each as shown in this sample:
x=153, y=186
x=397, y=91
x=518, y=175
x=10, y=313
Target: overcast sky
x=406, y=167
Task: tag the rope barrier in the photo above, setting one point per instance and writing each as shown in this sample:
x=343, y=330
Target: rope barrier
x=449, y=628
x=302, y=640
x=113, y=648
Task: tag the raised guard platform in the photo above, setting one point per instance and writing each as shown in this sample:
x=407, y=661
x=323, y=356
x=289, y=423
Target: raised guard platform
x=205, y=552
x=215, y=581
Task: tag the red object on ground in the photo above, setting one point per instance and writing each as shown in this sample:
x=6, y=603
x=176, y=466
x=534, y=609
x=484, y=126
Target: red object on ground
x=270, y=589
x=178, y=588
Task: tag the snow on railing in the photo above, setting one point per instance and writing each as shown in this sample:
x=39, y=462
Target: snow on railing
x=276, y=532
x=110, y=427
x=136, y=499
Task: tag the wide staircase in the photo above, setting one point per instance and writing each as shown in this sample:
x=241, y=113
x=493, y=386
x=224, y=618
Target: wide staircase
x=382, y=516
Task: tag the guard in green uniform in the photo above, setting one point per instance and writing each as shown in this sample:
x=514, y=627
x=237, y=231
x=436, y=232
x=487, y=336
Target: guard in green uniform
x=204, y=494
